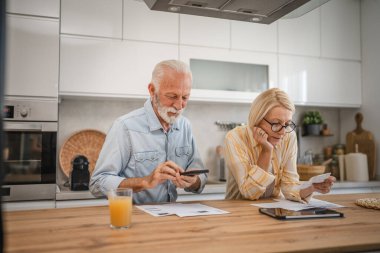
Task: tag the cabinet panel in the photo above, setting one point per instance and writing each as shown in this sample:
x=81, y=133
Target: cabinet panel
x=256, y=37
x=300, y=36
x=32, y=56
x=47, y=8
x=204, y=31
x=187, y=53
x=92, y=17
x=109, y=67
x=340, y=29
x=314, y=81
x=140, y=23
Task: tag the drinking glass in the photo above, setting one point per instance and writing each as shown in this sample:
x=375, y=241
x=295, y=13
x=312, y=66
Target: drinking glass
x=120, y=205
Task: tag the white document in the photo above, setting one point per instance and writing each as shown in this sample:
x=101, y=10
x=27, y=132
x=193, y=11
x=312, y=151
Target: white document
x=315, y=179
x=180, y=209
x=296, y=206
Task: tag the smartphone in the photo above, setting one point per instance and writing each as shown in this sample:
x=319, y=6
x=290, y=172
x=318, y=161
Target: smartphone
x=284, y=214
x=193, y=172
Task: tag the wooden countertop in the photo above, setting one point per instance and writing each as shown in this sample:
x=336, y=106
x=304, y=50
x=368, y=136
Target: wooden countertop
x=243, y=230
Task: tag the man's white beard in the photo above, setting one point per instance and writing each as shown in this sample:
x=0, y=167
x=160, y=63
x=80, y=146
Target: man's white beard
x=164, y=110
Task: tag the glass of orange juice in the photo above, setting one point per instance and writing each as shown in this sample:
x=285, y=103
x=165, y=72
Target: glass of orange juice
x=120, y=204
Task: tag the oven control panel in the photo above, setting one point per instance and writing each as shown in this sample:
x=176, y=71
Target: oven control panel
x=30, y=109
x=16, y=112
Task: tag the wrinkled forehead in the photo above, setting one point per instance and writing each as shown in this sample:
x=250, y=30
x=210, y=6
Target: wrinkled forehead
x=175, y=82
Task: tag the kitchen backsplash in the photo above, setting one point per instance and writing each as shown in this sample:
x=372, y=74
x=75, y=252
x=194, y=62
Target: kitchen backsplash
x=76, y=114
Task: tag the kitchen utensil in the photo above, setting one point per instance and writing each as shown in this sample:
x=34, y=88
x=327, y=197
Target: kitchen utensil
x=366, y=144
x=221, y=163
x=87, y=142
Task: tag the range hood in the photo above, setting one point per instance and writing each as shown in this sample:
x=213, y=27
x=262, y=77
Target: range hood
x=257, y=11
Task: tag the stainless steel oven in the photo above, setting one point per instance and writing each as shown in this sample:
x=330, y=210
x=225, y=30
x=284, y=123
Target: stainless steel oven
x=29, y=151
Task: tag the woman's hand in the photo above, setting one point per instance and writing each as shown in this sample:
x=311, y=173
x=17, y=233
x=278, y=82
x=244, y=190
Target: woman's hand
x=325, y=186
x=262, y=138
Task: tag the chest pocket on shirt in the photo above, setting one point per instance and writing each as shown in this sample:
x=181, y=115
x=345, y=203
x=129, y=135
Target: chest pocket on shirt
x=183, y=154
x=146, y=162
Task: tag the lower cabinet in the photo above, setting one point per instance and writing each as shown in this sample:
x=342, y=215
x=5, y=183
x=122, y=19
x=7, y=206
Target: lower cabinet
x=321, y=82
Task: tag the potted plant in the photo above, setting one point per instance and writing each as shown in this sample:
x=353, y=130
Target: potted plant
x=312, y=122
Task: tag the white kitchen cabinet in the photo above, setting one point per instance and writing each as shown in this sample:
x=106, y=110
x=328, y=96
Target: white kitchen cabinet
x=254, y=37
x=187, y=53
x=340, y=29
x=204, y=31
x=300, y=36
x=107, y=67
x=321, y=82
x=32, y=56
x=102, y=18
x=141, y=23
x=45, y=8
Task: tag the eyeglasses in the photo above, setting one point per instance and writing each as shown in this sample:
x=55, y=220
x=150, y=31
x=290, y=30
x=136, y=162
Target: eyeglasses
x=277, y=127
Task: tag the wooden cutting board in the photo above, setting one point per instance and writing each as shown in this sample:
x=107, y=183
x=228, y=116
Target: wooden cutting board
x=366, y=144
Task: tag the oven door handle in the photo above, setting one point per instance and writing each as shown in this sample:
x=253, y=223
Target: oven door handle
x=31, y=126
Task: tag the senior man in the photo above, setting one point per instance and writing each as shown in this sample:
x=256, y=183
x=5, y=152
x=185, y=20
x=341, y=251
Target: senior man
x=147, y=149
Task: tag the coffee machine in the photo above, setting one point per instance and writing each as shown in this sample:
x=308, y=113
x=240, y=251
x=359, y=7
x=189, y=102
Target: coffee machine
x=80, y=175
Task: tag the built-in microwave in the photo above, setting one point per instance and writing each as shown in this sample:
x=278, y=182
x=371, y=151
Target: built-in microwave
x=29, y=151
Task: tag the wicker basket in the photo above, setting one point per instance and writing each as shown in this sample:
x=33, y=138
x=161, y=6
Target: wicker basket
x=87, y=142
x=308, y=171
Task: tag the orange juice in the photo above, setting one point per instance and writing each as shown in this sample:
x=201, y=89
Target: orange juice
x=120, y=211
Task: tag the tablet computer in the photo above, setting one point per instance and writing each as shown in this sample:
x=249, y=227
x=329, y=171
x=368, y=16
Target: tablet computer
x=284, y=214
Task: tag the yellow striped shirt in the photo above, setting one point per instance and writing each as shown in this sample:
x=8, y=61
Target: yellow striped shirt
x=246, y=180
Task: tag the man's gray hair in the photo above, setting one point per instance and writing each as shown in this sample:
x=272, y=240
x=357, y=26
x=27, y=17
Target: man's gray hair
x=159, y=70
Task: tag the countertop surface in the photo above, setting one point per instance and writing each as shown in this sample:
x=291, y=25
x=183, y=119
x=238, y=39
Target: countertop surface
x=212, y=187
x=244, y=229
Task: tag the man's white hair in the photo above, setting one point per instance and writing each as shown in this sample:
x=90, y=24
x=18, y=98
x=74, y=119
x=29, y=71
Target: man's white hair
x=159, y=71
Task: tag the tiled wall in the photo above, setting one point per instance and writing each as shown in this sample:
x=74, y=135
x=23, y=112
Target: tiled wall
x=78, y=114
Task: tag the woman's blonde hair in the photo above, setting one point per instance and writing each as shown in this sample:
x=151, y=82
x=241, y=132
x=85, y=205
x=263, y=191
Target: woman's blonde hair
x=265, y=102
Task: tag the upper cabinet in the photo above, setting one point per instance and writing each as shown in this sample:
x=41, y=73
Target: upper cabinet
x=300, y=36
x=32, y=56
x=320, y=82
x=237, y=92
x=204, y=31
x=254, y=37
x=102, y=18
x=340, y=29
x=107, y=67
x=45, y=8
x=140, y=23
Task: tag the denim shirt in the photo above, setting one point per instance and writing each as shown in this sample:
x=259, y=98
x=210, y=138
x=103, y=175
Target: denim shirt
x=135, y=145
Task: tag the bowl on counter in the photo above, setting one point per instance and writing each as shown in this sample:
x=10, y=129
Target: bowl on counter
x=308, y=171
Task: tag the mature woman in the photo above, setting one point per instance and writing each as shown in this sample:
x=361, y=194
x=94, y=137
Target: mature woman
x=262, y=156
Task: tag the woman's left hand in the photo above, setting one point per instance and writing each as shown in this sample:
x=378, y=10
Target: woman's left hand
x=325, y=186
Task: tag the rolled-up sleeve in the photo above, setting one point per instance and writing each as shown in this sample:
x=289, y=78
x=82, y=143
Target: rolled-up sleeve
x=112, y=159
x=250, y=178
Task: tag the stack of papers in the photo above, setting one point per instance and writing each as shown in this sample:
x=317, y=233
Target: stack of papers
x=181, y=210
x=296, y=206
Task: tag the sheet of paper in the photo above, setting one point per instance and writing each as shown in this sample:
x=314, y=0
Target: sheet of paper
x=180, y=209
x=296, y=206
x=315, y=179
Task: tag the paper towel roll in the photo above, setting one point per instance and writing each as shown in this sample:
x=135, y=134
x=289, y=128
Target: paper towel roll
x=356, y=167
